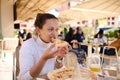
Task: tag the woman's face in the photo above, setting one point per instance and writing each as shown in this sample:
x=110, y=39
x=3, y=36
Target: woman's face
x=80, y=31
x=49, y=30
x=74, y=32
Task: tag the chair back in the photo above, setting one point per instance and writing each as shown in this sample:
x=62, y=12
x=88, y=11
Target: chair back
x=10, y=44
x=112, y=52
x=109, y=60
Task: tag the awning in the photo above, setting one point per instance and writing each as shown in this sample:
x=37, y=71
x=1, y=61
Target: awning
x=79, y=15
x=102, y=6
x=27, y=9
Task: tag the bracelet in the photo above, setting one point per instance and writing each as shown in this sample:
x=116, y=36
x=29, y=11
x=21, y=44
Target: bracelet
x=59, y=60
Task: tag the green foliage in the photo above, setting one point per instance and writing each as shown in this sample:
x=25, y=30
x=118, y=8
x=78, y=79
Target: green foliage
x=88, y=30
x=112, y=34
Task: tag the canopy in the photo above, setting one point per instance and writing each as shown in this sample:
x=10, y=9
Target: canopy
x=102, y=6
x=79, y=15
x=93, y=9
x=27, y=9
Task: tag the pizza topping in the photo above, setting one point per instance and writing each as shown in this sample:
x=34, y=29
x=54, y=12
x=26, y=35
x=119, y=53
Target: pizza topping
x=63, y=73
x=59, y=43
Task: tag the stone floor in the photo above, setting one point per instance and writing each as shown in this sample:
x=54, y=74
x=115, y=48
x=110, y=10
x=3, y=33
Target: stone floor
x=6, y=66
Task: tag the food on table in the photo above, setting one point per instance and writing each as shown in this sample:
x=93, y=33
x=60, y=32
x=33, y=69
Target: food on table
x=60, y=43
x=61, y=74
x=67, y=73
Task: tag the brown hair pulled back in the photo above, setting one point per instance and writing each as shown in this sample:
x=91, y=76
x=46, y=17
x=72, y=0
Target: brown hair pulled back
x=41, y=19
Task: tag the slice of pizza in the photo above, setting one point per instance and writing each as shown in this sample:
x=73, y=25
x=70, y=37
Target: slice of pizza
x=61, y=74
x=60, y=43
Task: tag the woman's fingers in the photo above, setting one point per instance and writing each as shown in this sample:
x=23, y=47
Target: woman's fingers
x=52, y=51
x=51, y=47
x=62, y=51
x=69, y=47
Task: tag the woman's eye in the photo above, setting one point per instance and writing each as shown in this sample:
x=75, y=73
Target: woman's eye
x=56, y=29
x=50, y=29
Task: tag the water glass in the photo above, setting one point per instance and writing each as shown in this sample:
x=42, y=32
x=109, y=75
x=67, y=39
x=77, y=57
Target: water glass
x=70, y=60
x=94, y=62
x=81, y=74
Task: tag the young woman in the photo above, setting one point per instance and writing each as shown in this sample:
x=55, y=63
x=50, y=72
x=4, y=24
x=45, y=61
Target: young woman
x=80, y=35
x=37, y=55
x=100, y=38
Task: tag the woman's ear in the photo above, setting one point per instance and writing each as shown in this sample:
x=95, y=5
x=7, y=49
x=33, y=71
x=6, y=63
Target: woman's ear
x=37, y=30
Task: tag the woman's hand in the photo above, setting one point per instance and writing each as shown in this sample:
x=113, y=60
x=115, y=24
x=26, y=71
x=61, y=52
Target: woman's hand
x=50, y=52
x=63, y=50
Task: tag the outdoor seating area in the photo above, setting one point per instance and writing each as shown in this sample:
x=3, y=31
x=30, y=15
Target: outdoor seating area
x=59, y=39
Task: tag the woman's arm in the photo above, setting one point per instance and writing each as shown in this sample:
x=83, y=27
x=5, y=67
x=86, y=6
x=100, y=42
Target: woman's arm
x=28, y=68
x=37, y=68
x=116, y=44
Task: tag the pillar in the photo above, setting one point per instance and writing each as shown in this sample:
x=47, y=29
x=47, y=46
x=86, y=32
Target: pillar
x=6, y=19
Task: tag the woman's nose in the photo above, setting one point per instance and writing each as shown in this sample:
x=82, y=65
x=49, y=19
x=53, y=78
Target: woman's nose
x=55, y=33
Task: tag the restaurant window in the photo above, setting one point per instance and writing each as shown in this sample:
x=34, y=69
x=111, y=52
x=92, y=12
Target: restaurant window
x=108, y=23
x=69, y=4
x=113, y=18
x=78, y=22
x=83, y=22
x=113, y=23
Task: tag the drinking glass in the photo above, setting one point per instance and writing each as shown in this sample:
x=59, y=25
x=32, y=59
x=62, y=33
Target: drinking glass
x=94, y=62
x=70, y=60
x=81, y=73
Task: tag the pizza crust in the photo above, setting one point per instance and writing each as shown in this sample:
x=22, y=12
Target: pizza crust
x=67, y=73
x=60, y=74
x=60, y=43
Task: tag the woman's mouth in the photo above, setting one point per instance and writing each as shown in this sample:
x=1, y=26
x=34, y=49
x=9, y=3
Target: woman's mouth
x=53, y=39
